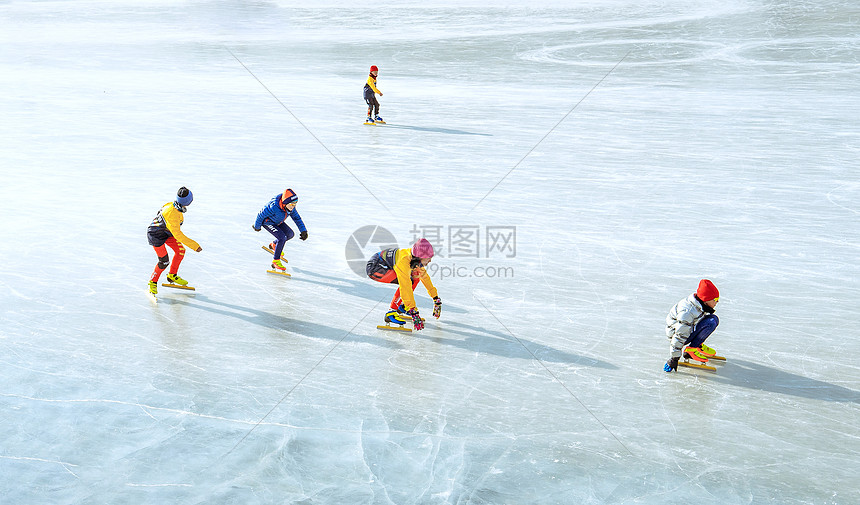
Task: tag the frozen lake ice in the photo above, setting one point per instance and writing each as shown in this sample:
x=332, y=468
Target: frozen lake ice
x=606, y=154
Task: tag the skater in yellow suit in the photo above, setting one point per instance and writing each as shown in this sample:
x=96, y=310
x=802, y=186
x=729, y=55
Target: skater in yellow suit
x=370, y=92
x=405, y=267
x=164, y=230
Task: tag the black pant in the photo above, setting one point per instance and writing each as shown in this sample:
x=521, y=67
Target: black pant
x=372, y=102
x=378, y=270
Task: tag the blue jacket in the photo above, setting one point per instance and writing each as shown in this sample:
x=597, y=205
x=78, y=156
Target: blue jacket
x=274, y=214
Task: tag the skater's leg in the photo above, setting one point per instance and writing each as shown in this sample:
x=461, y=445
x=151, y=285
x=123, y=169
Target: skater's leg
x=288, y=234
x=396, y=302
x=369, y=98
x=178, y=254
x=282, y=233
x=703, y=330
x=163, y=259
x=375, y=107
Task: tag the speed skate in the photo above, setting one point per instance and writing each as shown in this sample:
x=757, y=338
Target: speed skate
x=701, y=366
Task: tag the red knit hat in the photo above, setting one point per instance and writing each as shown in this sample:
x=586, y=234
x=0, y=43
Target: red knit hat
x=287, y=197
x=707, y=291
x=373, y=68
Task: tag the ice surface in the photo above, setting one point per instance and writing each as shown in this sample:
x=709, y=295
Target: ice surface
x=635, y=146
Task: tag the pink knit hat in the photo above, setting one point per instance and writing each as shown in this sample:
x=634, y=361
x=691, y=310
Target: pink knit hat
x=422, y=249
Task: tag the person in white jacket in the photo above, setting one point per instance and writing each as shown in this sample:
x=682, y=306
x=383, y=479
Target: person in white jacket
x=690, y=322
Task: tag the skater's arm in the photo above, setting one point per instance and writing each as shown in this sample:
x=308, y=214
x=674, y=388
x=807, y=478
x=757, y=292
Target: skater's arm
x=298, y=220
x=683, y=327
x=260, y=217
x=428, y=284
x=404, y=277
x=173, y=220
x=263, y=214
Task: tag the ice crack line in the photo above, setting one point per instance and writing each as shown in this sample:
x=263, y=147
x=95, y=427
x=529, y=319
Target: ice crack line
x=302, y=379
x=554, y=376
x=64, y=464
x=550, y=131
x=309, y=131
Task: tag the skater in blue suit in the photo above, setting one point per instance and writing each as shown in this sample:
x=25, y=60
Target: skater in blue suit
x=273, y=218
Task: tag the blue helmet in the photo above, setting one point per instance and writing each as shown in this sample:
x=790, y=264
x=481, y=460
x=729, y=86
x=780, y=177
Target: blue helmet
x=184, y=196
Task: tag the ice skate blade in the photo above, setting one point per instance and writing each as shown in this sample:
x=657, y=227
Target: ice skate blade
x=152, y=298
x=695, y=365
x=370, y=124
x=393, y=328
x=270, y=251
x=285, y=274
x=177, y=286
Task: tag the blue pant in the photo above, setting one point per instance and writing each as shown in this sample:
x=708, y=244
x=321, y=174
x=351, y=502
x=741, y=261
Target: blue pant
x=703, y=330
x=282, y=233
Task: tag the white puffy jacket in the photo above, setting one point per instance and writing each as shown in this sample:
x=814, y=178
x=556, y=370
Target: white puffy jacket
x=680, y=323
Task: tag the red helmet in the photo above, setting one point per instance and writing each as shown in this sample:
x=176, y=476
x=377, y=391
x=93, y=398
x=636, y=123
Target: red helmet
x=373, y=68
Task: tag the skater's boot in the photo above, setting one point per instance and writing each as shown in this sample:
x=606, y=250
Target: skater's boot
x=393, y=317
x=176, y=279
x=378, y=119
x=695, y=354
x=153, y=287
x=369, y=120
x=278, y=266
x=707, y=351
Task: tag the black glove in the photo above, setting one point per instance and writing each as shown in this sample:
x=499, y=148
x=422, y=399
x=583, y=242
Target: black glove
x=303, y=235
x=255, y=229
x=671, y=365
x=437, y=307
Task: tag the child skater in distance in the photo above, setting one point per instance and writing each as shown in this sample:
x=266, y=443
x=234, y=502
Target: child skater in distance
x=405, y=267
x=164, y=230
x=273, y=218
x=370, y=91
x=689, y=323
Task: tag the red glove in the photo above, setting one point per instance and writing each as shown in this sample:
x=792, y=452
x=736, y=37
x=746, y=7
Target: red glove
x=417, y=322
x=437, y=307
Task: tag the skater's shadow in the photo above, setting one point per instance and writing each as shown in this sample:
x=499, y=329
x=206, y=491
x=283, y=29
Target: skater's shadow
x=368, y=289
x=435, y=130
x=764, y=378
x=276, y=322
x=503, y=344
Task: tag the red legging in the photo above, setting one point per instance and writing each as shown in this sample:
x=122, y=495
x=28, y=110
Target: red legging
x=390, y=277
x=161, y=251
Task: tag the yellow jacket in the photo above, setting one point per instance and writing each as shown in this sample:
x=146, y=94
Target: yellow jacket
x=402, y=258
x=173, y=219
x=371, y=81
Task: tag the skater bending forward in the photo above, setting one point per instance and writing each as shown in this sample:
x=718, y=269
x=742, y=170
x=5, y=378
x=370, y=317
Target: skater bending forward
x=273, y=218
x=405, y=267
x=164, y=231
x=690, y=322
